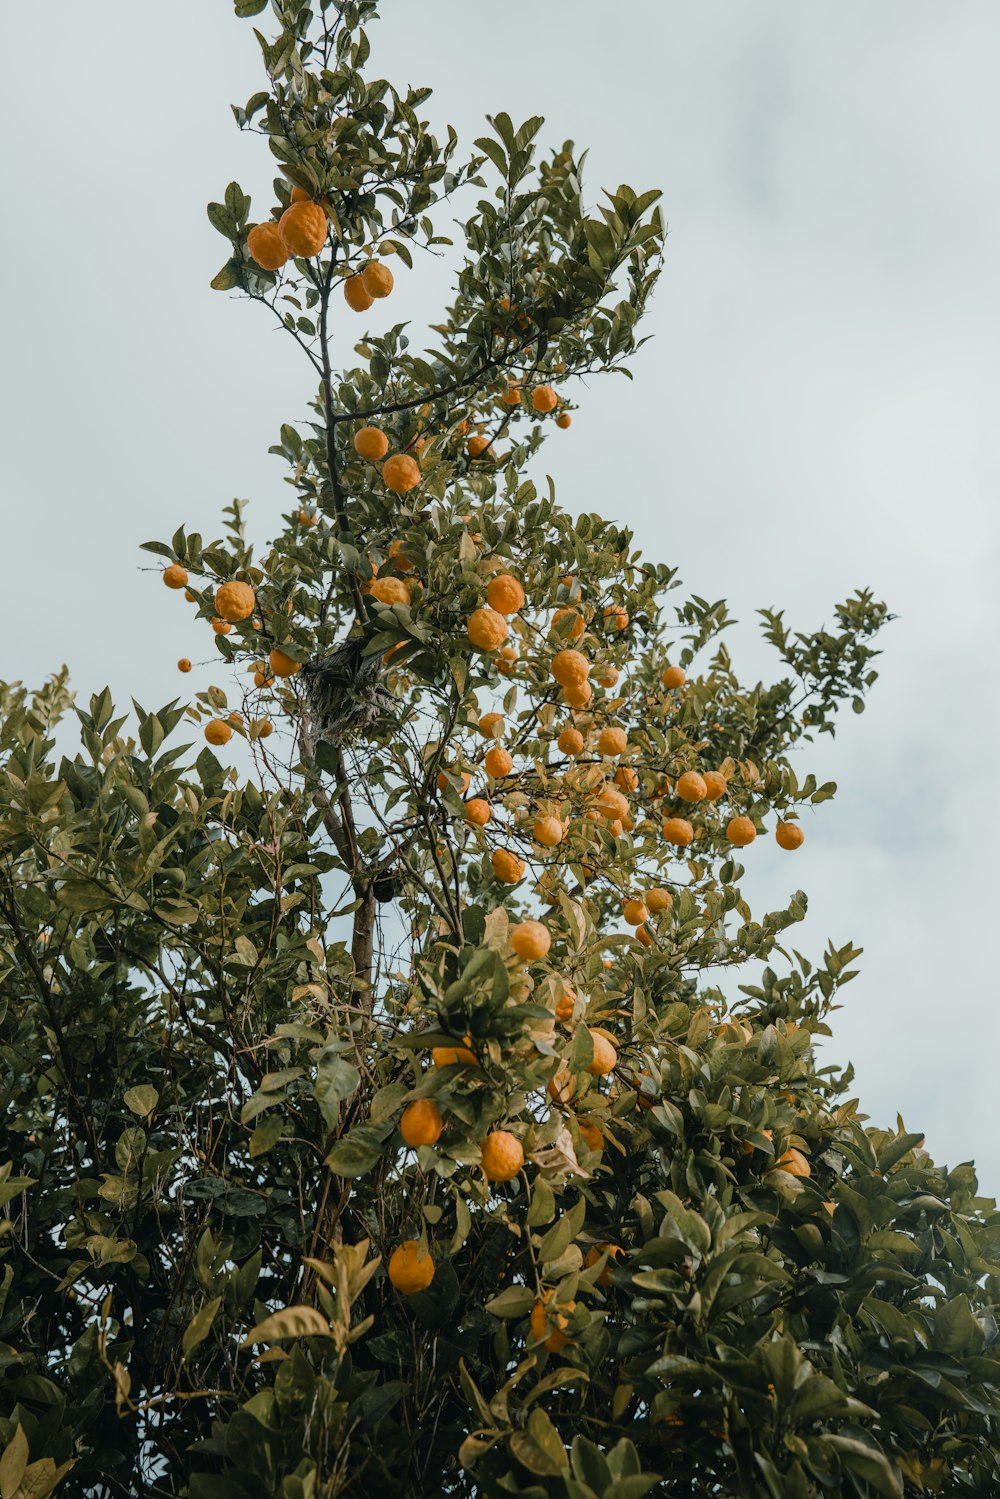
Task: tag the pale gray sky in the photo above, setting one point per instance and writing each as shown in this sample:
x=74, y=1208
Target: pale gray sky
x=815, y=412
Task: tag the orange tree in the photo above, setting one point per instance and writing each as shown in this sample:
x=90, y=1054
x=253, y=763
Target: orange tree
x=375, y=1121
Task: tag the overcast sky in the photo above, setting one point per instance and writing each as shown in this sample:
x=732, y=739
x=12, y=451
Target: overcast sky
x=816, y=411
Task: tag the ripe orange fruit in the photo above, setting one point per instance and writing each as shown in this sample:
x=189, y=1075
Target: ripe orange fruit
x=544, y=398
x=235, y=601
x=299, y=195
x=575, y=623
x=548, y=831
x=605, y=1056
x=184, y=664
x=567, y=1004
x=659, y=900
x=491, y=725
x=403, y=563
x=507, y=867
x=390, y=591
x=377, y=279
x=691, y=787
x=644, y=936
x=607, y=676
x=502, y=1156
x=789, y=835
x=611, y=802
x=282, y=665
x=400, y=473
x=612, y=741
x=505, y=594
x=478, y=444
x=512, y=396
x=740, y=832
x=411, y=1268
x=356, y=294
x=445, y=779
x=267, y=246
x=192, y=598
x=263, y=728
x=591, y=1134
x=175, y=576
x=794, y=1162
x=679, y=831
x=595, y=1253
x=616, y=617
x=498, y=762
x=449, y=1056
x=627, y=777
x=421, y=1123
x=715, y=785
x=554, y=1338
x=635, y=911
x=561, y=1085
x=570, y=668
x=478, y=812
x=303, y=228
x=674, y=676
x=530, y=940
x=221, y=627
x=261, y=679
x=218, y=731
x=371, y=443
x=570, y=741
x=563, y=419
x=486, y=629
x=578, y=695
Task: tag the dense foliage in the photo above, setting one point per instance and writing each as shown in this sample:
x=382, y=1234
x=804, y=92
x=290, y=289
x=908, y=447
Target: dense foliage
x=660, y=1250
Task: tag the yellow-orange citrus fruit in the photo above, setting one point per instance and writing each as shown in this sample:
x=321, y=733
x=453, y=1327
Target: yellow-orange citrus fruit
x=502, y=1156
x=691, y=787
x=218, y=731
x=371, y=443
x=561, y=1085
x=679, y=831
x=505, y=594
x=282, y=665
x=570, y=668
x=477, y=445
x=491, y=725
x=594, y=1255
x=616, y=617
x=740, y=832
x=264, y=728
x=612, y=741
x=627, y=777
x=547, y=831
x=421, y=1123
x=356, y=295
x=449, y=1056
x=635, y=911
x=377, y=279
x=591, y=1135
x=574, y=625
x=567, y=1004
x=605, y=1056
x=530, y=940
x=674, y=676
x=221, y=627
x=478, y=812
x=570, y=741
x=553, y=1337
x=507, y=867
x=446, y=778
x=303, y=228
x=411, y=1268
x=644, y=936
x=400, y=473
x=486, y=629
x=789, y=835
x=611, y=802
x=498, y=762
x=659, y=900
x=299, y=195
x=184, y=664
x=512, y=396
x=794, y=1162
x=261, y=679
x=578, y=694
x=544, y=398
x=715, y=785
x=175, y=576
x=267, y=246
x=235, y=601
x=192, y=598
x=396, y=556
x=563, y=419
x=390, y=591
x=606, y=676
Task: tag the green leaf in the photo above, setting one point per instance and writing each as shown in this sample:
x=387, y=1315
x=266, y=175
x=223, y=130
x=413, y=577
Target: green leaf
x=539, y=1446
x=142, y=1100
x=514, y=1301
x=290, y=1322
x=200, y=1325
